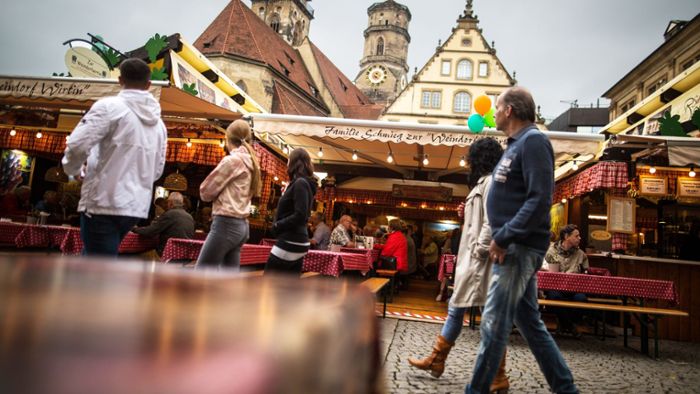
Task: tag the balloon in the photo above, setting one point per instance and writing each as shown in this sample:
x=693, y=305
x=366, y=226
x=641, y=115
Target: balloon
x=475, y=123
x=489, y=118
x=482, y=105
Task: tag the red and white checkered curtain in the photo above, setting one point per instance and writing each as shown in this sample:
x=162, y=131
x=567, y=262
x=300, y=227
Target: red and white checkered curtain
x=606, y=174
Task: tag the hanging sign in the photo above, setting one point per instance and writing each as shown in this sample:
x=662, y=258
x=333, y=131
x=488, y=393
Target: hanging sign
x=85, y=63
x=621, y=213
x=653, y=185
x=688, y=187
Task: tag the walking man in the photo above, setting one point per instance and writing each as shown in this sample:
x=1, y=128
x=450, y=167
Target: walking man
x=118, y=149
x=518, y=209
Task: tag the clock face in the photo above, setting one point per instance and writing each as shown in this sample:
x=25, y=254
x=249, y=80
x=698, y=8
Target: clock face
x=376, y=75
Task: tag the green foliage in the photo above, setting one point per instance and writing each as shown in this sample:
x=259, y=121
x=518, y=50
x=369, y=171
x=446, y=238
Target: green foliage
x=159, y=74
x=111, y=57
x=190, y=89
x=154, y=45
x=696, y=118
x=671, y=126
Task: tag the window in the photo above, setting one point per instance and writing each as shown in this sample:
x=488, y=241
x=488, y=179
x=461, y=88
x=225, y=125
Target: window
x=689, y=64
x=464, y=70
x=261, y=12
x=275, y=22
x=380, y=46
x=627, y=106
x=466, y=42
x=431, y=99
x=462, y=102
x=483, y=69
x=493, y=97
x=242, y=85
x=446, y=67
x=656, y=85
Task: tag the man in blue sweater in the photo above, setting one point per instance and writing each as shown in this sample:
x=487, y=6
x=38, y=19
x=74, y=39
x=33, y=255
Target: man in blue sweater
x=518, y=210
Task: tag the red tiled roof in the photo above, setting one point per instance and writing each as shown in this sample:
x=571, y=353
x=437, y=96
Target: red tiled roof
x=238, y=31
x=285, y=101
x=352, y=102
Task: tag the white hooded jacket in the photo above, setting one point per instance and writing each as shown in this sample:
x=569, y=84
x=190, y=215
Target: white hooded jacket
x=124, y=142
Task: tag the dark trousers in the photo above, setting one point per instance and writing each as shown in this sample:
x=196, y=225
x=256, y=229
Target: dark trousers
x=276, y=265
x=566, y=316
x=102, y=234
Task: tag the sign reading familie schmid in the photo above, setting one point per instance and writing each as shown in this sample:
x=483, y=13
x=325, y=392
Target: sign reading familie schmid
x=405, y=136
x=61, y=88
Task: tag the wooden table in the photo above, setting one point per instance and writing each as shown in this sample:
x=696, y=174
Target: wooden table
x=89, y=326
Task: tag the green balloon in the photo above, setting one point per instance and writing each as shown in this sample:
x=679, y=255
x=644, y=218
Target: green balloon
x=489, y=118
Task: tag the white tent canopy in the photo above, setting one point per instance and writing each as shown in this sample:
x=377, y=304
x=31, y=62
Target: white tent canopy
x=407, y=143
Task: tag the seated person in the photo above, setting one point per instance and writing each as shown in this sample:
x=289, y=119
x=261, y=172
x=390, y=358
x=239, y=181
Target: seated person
x=571, y=259
x=15, y=204
x=173, y=223
x=50, y=204
x=396, y=246
x=340, y=235
x=322, y=233
x=431, y=256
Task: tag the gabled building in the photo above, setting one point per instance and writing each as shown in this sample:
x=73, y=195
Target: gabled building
x=252, y=50
x=463, y=67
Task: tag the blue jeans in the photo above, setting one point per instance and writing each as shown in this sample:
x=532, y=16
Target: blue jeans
x=453, y=324
x=102, y=234
x=223, y=245
x=512, y=298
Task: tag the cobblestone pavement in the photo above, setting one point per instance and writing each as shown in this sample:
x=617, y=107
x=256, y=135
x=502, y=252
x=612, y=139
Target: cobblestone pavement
x=598, y=366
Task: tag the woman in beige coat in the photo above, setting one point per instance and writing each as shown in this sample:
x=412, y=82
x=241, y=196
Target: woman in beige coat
x=473, y=271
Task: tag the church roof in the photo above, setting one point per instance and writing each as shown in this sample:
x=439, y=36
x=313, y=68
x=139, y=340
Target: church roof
x=388, y=4
x=285, y=101
x=238, y=31
x=352, y=102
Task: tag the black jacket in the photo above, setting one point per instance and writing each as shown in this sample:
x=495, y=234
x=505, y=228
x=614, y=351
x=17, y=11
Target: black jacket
x=173, y=223
x=293, y=212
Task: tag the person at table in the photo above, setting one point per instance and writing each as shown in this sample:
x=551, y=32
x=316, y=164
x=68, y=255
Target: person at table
x=321, y=232
x=293, y=210
x=124, y=141
x=340, y=237
x=431, y=255
x=231, y=186
x=15, y=204
x=570, y=259
x=518, y=205
x=173, y=223
x=473, y=266
x=50, y=204
x=396, y=246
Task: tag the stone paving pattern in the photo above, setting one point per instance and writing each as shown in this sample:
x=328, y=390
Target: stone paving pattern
x=598, y=366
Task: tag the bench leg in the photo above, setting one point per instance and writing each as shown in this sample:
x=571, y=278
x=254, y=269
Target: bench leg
x=644, y=333
x=625, y=322
x=656, y=336
x=392, y=283
x=384, y=312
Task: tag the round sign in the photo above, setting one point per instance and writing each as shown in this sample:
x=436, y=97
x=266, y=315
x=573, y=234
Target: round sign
x=85, y=63
x=601, y=235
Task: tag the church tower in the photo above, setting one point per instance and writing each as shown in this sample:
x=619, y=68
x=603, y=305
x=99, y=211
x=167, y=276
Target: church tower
x=383, y=67
x=289, y=18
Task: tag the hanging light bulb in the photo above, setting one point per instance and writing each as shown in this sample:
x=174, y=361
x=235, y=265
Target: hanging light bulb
x=354, y=154
x=13, y=133
x=563, y=200
x=425, y=160
x=462, y=162
x=276, y=178
x=189, y=143
x=67, y=138
x=38, y=134
x=320, y=152
x=691, y=173
x=222, y=143
x=285, y=149
x=652, y=170
x=390, y=158
x=575, y=166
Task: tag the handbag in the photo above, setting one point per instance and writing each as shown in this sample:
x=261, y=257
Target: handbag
x=387, y=263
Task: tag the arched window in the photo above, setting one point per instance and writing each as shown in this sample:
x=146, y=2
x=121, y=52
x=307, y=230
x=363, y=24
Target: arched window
x=275, y=22
x=298, y=34
x=380, y=46
x=462, y=102
x=261, y=12
x=464, y=70
x=242, y=85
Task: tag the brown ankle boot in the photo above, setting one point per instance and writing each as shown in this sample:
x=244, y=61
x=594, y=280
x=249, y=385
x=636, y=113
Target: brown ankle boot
x=435, y=363
x=500, y=383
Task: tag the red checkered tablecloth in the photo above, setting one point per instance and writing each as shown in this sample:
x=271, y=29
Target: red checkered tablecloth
x=324, y=262
x=9, y=231
x=446, y=266
x=132, y=243
x=608, y=285
x=188, y=249
x=41, y=236
x=370, y=256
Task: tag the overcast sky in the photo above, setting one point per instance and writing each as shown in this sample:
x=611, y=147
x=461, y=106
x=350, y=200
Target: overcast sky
x=562, y=50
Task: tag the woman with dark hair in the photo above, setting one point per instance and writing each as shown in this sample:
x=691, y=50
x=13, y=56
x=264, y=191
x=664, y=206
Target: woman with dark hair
x=231, y=186
x=473, y=270
x=293, y=210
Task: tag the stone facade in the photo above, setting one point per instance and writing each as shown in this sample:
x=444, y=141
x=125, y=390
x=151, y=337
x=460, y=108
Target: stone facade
x=680, y=50
x=289, y=18
x=256, y=79
x=383, y=68
x=462, y=68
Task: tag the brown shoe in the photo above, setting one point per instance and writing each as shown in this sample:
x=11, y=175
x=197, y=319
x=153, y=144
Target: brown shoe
x=435, y=363
x=500, y=383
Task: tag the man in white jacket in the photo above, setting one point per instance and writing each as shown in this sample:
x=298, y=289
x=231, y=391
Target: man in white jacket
x=118, y=149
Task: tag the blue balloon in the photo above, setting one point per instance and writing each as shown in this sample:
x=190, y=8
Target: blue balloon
x=476, y=123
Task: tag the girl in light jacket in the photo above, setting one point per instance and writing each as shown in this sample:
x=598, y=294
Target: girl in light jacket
x=473, y=270
x=232, y=184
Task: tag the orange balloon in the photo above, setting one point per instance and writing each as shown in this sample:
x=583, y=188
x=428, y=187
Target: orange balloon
x=482, y=105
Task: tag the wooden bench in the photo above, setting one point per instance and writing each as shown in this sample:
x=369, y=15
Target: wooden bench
x=309, y=274
x=375, y=285
x=640, y=312
x=258, y=273
x=392, y=275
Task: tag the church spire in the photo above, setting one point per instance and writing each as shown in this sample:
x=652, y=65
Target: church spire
x=468, y=11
